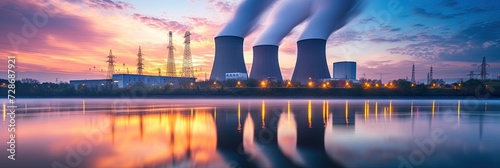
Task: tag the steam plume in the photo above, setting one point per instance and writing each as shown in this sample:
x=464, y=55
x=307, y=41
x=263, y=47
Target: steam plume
x=245, y=18
x=289, y=14
x=330, y=16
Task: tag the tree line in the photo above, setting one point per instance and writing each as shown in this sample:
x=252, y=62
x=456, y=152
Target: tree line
x=32, y=88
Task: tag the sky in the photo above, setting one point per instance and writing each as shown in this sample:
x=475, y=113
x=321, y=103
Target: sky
x=65, y=39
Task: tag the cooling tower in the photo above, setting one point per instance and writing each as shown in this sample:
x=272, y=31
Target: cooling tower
x=228, y=57
x=311, y=61
x=265, y=63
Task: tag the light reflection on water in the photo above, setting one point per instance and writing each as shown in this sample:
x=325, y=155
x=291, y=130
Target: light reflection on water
x=255, y=133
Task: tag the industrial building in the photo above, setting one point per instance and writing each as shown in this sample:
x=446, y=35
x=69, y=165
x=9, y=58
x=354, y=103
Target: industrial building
x=237, y=76
x=94, y=83
x=344, y=70
x=124, y=80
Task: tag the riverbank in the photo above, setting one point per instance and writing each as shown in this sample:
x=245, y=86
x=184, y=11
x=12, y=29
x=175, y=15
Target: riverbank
x=289, y=93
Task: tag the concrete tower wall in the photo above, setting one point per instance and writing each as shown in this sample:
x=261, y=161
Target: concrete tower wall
x=311, y=61
x=228, y=57
x=265, y=63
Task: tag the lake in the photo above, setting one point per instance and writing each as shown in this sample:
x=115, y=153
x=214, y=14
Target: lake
x=253, y=133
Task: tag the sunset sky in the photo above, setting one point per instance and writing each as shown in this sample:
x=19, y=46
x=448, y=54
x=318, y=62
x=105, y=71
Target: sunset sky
x=450, y=35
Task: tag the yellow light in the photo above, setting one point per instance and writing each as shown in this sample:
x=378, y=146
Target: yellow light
x=310, y=84
x=191, y=84
x=288, y=110
x=324, y=85
x=346, y=111
x=434, y=85
x=433, y=106
x=239, y=83
x=215, y=83
x=309, y=113
x=412, y=85
x=289, y=83
x=377, y=85
x=385, y=85
x=324, y=111
x=239, y=117
x=263, y=114
x=263, y=84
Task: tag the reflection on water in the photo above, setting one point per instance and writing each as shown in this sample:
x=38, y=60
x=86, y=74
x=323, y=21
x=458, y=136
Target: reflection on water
x=274, y=133
x=287, y=138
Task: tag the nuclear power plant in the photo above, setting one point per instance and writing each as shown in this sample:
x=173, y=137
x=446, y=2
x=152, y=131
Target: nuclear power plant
x=325, y=17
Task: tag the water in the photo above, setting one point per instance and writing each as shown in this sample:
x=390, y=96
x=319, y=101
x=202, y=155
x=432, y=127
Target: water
x=254, y=133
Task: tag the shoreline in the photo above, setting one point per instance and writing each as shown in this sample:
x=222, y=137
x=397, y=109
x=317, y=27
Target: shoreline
x=265, y=97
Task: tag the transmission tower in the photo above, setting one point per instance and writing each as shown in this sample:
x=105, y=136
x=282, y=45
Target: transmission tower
x=111, y=65
x=428, y=79
x=483, y=69
x=187, y=64
x=139, y=62
x=472, y=75
x=431, y=78
x=413, y=74
x=170, y=58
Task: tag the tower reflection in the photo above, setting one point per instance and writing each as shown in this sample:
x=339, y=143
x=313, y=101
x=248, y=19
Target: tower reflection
x=287, y=138
x=250, y=147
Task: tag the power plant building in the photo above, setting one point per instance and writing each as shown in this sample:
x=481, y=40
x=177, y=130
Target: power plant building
x=344, y=70
x=237, y=76
x=93, y=83
x=124, y=80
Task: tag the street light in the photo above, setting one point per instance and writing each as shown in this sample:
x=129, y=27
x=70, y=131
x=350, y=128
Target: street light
x=263, y=84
